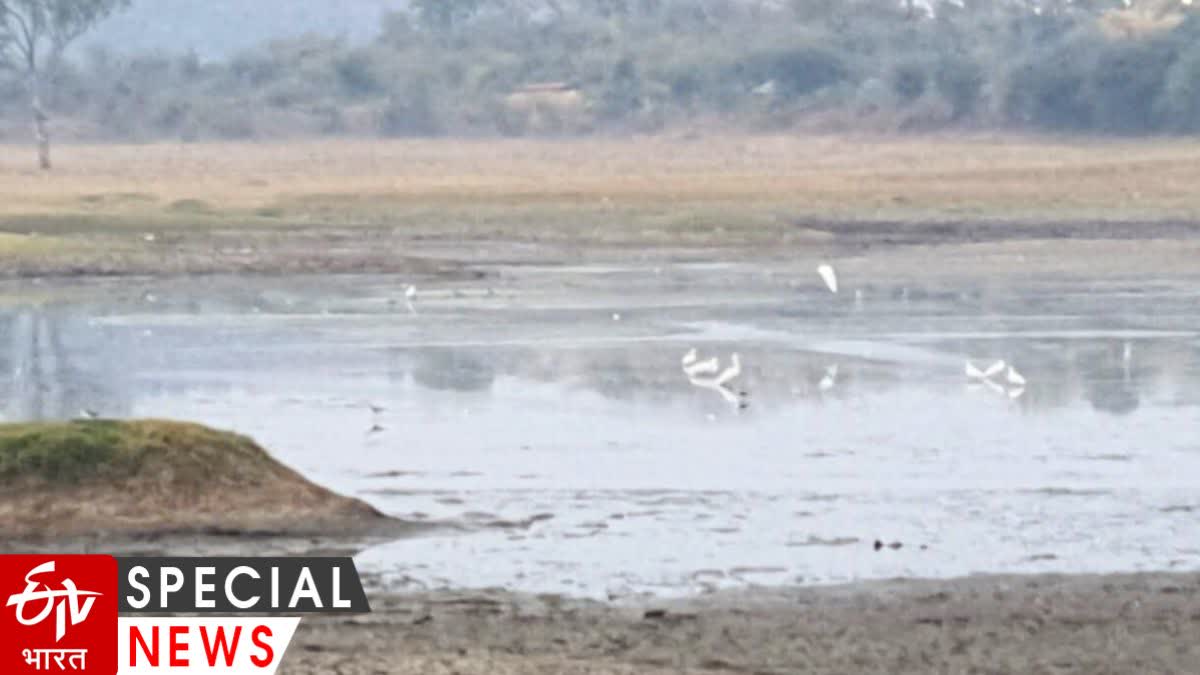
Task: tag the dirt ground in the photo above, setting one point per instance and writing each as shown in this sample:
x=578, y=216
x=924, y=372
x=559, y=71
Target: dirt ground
x=1093, y=625
x=431, y=207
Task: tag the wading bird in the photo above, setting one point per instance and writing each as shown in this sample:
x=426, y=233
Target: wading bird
x=830, y=380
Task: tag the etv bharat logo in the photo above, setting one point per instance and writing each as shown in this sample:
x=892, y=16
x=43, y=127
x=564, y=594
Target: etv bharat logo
x=58, y=614
x=68, y=603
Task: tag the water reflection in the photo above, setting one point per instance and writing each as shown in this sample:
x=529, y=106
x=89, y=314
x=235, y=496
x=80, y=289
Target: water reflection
x=59, y=365
x=452, y=370
x=61, y=360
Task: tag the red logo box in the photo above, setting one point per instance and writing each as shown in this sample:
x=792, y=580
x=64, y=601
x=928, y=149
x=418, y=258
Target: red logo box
x=58, y=614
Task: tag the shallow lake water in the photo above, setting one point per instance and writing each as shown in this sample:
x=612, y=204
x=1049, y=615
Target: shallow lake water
x=544, y=415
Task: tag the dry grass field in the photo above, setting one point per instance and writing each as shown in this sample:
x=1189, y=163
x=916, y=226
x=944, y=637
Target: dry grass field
x=325, y=205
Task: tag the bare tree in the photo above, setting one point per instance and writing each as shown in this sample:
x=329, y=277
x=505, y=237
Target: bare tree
x=33, y=35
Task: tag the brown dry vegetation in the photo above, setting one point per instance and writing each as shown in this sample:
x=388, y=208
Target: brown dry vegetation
x=366, y=205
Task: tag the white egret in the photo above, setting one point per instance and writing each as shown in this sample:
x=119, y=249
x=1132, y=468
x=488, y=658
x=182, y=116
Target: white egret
x=830, y=380
x=994, y=369
x=1015, y=378
x=974, y=372
x=828, y=276
x=410, y=294
x=706, y=367
x=734, y=369
x=693, y=367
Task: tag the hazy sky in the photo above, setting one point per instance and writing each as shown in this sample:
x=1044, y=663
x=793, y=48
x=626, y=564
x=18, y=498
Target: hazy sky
x=215, y=28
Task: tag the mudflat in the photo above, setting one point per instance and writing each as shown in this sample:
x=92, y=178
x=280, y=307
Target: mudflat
x=1118, y=624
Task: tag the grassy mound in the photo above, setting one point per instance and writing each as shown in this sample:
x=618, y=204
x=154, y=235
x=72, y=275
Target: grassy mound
x=103, y=450
x=157, y=477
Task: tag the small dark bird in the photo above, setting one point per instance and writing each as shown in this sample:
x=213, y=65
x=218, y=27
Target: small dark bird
x=375, y=409
x=878, y=545
x=375, y=428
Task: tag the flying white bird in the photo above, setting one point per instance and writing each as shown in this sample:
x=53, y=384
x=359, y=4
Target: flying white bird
x=828, y=276
x=734, y=369
x=974, y=373
x=693, y=367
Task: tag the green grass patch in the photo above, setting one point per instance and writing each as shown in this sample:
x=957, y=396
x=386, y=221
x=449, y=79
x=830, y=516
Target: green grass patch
x=98, y=450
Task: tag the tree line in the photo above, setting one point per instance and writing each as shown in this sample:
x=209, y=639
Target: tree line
x=452, y=67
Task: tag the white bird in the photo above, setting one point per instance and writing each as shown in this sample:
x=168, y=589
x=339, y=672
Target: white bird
x=1015, y=378
x=994, y=369
x=89, y=414
x=830, y=380
x=828, y=276
x=410, y=294
x=973, y=372
x=692, y=367
x=1127, y=359
x=734, y=369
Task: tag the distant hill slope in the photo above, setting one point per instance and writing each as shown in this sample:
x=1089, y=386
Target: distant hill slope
x=216, y=28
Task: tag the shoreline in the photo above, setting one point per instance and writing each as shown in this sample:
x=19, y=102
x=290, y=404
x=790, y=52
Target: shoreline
x=1115, y=623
